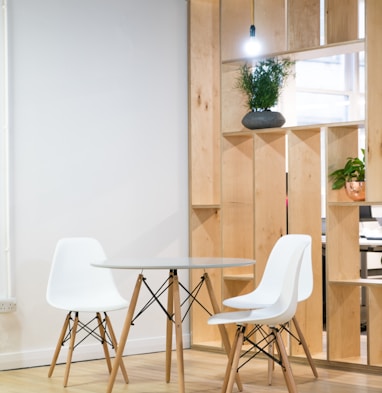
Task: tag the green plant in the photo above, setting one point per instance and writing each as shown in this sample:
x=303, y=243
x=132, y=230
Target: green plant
x=262, y=84
x=354, y=170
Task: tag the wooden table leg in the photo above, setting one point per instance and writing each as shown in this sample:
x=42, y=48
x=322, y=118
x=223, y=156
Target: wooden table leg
x=178, y=332
x=170, y=310
x=125, y=333
x=222, y=329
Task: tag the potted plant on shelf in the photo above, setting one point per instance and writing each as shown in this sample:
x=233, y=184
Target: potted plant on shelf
x=262, y=84
x=352, y=177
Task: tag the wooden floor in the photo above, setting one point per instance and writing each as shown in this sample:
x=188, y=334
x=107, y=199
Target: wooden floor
x=203, y=372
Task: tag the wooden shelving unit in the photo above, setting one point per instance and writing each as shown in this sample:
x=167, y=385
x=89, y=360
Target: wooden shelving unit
x=238, y=183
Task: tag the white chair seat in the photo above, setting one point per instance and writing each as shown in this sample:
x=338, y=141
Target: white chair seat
x=98, y=303
x=262, y=316
x=252, y=300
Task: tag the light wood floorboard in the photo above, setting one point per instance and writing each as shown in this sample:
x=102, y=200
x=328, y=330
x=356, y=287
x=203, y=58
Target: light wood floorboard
x=203, y=373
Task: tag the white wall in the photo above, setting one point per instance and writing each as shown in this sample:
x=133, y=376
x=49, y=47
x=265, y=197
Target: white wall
x=98, y=105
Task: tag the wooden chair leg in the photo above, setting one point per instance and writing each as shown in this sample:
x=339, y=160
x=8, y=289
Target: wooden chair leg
x=71, y=349
x=104, y=342
x=271, y=364
x=285, y=365
x=222, y=328
x=59, y=344
x=115, y=345
x=233, y=360
x=305, y=346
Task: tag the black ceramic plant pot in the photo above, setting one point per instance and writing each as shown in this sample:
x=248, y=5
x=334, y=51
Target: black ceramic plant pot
x=265, y=119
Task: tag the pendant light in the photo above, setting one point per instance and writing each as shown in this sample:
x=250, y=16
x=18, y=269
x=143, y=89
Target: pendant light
x=252, y=46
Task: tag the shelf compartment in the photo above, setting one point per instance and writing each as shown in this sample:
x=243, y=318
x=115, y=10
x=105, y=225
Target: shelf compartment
x=304, y=216
x=202, y=333
x=270, y=195
x=205, y=236
x=204, y=103
x=303, y=24
x=343, y=263
x=343, y=338
x=374, y=317
x=237, y=197
x=342, y=22
x=342, y=242
x=236, y=19
x=237, y=286
x=342, y=142
x=374, y=322
x=233, y=102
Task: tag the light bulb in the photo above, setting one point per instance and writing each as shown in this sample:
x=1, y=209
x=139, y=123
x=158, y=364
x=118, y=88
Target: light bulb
x=252, y=46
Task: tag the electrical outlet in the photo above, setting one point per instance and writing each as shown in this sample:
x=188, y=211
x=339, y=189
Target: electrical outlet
x=7, y=305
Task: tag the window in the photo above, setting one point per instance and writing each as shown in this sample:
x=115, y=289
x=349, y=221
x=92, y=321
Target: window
x=330, y=89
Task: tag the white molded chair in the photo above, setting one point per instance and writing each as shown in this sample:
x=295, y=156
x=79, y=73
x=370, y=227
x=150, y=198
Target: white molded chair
x=266, y=292
x=291, y=249
x=77, y=287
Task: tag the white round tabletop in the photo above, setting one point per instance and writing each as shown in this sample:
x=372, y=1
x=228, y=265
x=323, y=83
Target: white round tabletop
x=173, y=262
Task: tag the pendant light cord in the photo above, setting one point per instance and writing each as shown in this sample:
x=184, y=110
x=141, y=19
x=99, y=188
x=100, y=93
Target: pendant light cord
x=253, y=12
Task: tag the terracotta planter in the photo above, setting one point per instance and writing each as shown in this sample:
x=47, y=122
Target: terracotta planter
x=356, y=190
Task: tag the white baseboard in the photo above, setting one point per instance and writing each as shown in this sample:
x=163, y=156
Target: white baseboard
x=43, y=357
